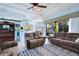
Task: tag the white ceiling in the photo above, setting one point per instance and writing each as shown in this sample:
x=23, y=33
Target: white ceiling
x=19, y=10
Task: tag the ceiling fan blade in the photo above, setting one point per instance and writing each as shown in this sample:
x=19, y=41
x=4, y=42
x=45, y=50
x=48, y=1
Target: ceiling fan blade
x=29, y=8
x=42, y=6
x=35, y=4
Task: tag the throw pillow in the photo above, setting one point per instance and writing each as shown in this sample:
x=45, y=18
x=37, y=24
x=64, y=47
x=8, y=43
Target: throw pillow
x=77, y=40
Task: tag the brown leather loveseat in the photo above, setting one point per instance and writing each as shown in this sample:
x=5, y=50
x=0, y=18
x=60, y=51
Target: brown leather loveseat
x=34, y=39
x=66, y=40
x=8, y=44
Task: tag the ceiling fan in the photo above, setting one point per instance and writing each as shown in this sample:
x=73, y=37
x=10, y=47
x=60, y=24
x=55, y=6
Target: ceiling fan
x=37, y=6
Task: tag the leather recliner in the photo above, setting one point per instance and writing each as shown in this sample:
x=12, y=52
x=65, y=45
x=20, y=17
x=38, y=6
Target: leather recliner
x=34, y=40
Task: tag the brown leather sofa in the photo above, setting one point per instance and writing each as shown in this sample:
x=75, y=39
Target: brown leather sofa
x=8, y=44
x=34, y=40
x=66, y=40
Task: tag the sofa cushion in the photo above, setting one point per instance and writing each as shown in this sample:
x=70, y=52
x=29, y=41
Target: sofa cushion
x=8, y=44
x=40, y=40
x=65, y=43
x=71, y=36
x=30, y=36
x=37, y=34
x=71, y=44
x=60, y=35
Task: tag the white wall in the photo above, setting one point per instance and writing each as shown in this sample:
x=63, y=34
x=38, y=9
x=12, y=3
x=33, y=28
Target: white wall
x=40, y=26
x=74, y=25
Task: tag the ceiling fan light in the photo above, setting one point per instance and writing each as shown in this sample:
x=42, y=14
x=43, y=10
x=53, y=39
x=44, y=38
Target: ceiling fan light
x=39, y=9
x=35, y=7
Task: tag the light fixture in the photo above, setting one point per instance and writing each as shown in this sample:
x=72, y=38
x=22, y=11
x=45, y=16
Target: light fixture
x=37, y=9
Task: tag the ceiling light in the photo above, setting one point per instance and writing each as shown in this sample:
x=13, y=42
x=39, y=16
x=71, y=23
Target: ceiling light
x=36, y=8
x=39, y=9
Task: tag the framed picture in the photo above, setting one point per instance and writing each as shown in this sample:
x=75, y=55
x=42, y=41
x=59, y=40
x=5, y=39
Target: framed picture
x=27, y=27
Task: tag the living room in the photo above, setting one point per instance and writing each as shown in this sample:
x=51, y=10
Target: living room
x=39, y=29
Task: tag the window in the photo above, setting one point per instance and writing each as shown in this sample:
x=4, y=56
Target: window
x=6, y=27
